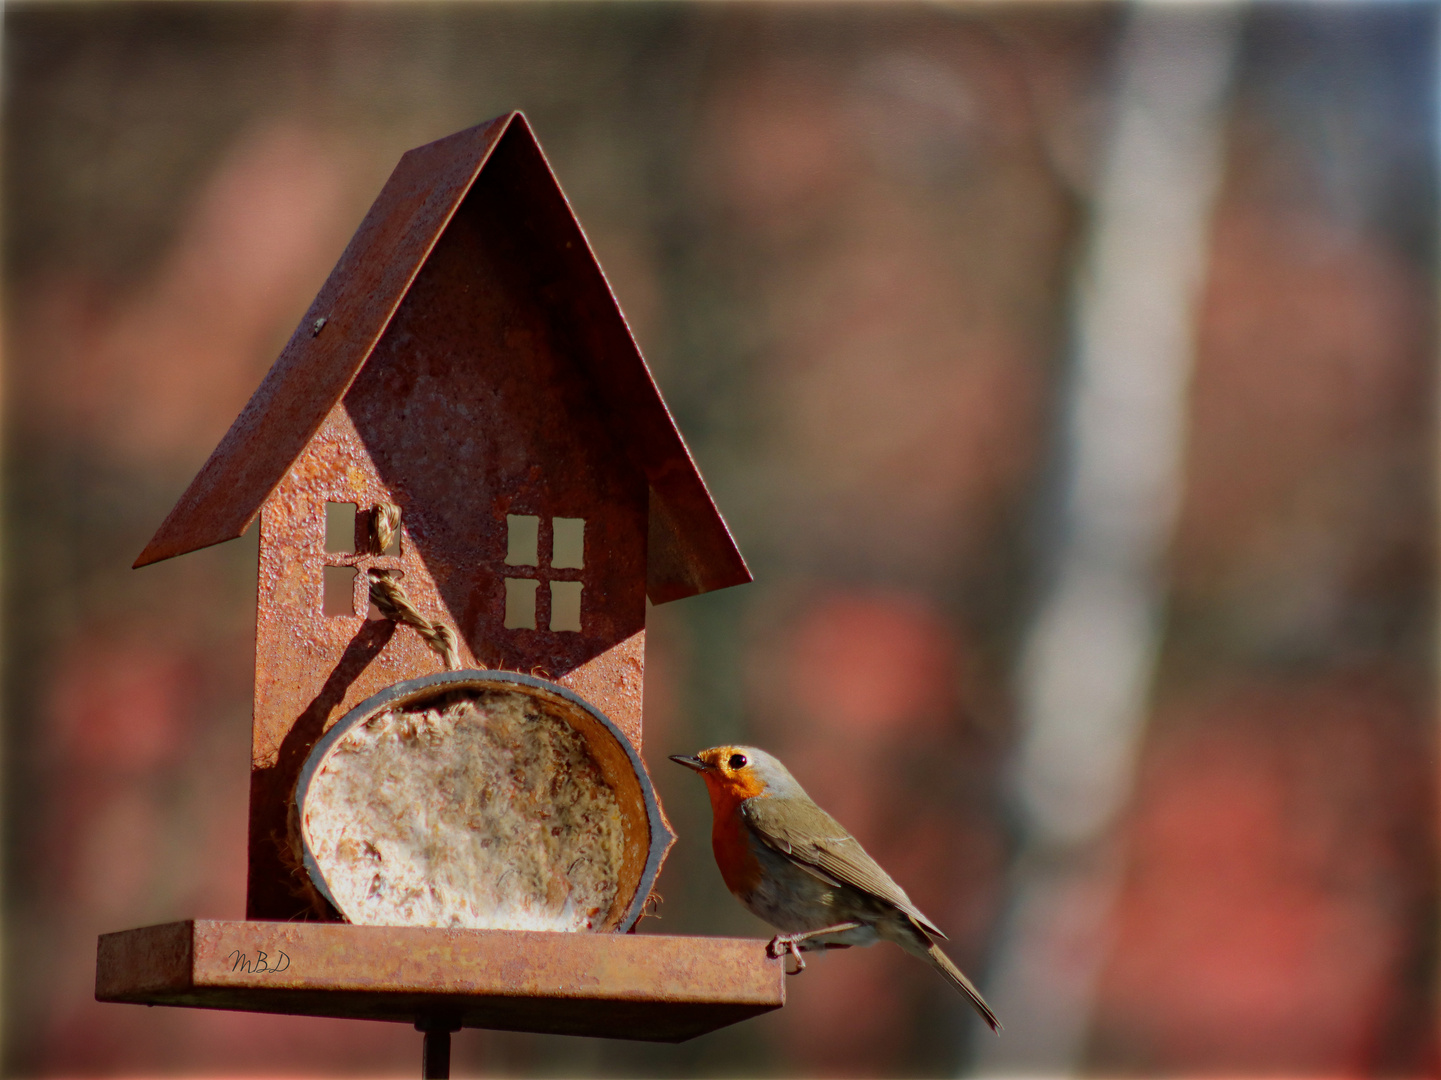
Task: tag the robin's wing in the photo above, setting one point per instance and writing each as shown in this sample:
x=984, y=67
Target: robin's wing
x=815, y=841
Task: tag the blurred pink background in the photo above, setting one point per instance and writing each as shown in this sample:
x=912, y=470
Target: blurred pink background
x=848, y=239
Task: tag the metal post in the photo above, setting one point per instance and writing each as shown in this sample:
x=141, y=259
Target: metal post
x=435, y=1050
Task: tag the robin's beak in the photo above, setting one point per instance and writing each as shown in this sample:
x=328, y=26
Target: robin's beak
x=690, y=762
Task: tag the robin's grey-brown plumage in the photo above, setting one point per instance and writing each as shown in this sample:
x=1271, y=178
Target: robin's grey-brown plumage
x=796, y=867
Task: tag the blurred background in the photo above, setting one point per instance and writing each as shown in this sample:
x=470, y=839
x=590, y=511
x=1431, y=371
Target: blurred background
x=1066, y=374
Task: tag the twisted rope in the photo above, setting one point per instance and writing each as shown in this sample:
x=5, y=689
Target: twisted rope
x=383, y=524
x=387, y=594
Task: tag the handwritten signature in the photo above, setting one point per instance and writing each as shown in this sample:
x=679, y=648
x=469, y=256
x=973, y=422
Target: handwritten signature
x=261, y=965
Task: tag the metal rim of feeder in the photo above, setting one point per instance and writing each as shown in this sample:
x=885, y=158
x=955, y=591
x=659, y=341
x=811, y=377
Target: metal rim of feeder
x=413, y=691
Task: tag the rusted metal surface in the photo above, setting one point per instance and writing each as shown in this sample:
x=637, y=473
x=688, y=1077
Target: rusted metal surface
x=526, y=220
x=635, y=986
x=457, y=455
x=470, y=265
x=466, y=362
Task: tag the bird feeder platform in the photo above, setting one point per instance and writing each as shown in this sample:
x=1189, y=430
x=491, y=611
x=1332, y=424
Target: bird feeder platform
x=631, y=986
x=459, y=460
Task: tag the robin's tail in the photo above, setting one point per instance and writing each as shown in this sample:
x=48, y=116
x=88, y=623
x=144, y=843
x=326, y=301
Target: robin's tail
x=931, y=952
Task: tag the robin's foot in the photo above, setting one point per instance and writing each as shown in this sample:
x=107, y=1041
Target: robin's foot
x=782, y=944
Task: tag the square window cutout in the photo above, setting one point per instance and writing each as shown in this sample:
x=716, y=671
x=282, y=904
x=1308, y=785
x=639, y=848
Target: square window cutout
x=520, y=603
x=339, y=584
x=565, y=605
x=568, y=543
x=522, y=547
x=340, y=527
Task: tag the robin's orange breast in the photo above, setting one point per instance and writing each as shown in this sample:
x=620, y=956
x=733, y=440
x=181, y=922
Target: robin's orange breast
x=732, y=842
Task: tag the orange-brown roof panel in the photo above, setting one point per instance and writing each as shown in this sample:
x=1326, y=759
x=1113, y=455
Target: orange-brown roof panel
x=691, y=549
x=315, y=368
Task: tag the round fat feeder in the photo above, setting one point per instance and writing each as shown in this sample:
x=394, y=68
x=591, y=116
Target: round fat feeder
x=480, y=800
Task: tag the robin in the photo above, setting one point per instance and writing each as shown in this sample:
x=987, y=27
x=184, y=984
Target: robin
x=794, y=866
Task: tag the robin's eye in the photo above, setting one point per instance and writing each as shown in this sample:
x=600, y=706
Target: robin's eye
x=737, y=761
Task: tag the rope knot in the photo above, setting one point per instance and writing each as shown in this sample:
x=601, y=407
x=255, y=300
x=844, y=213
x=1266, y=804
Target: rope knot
x=389, y=596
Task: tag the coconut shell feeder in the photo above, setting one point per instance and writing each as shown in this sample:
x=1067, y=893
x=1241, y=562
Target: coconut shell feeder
x=468, y=485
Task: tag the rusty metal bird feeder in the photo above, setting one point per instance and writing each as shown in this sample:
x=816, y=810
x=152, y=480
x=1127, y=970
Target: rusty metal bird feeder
x=460, y=461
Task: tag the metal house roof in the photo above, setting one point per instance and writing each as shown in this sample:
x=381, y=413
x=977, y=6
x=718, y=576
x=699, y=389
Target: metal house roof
x=690, y=550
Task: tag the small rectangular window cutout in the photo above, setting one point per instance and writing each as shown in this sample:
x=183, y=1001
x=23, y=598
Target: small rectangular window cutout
x=565, y=605
x=568, y=549
x=340, y=527
x=520, y=603
x=522, y=546
x=339, y=590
